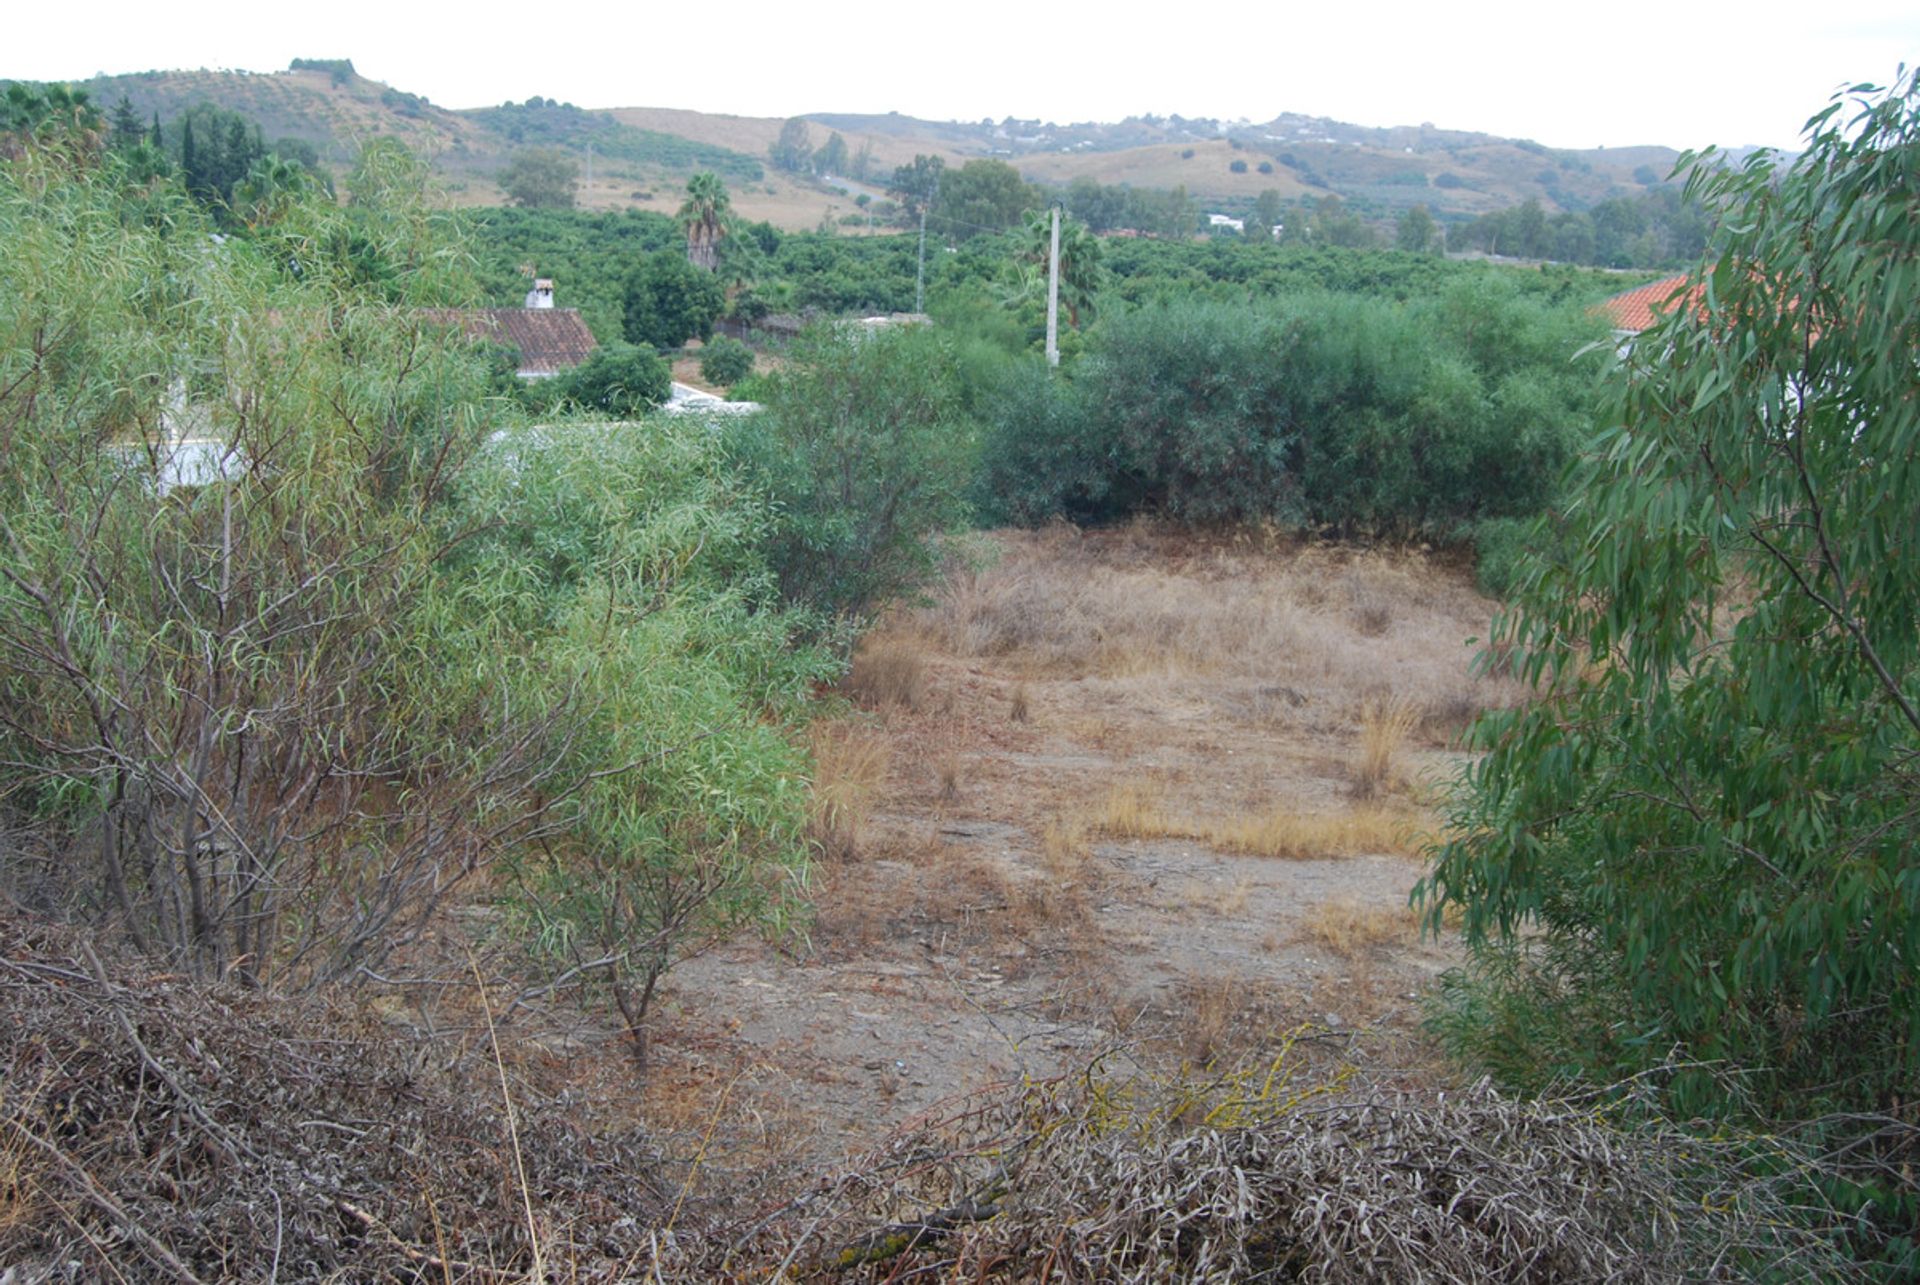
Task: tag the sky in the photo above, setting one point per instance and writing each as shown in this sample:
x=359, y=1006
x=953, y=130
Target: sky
x=1679, y=73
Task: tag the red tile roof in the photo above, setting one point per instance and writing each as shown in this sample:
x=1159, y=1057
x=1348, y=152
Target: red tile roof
x=1639, y=308
x=549, y=340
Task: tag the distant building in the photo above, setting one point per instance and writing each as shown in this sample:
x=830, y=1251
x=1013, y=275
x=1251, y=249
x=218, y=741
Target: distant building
x=1638, y=309
x=1226, y=221
x=546, y=340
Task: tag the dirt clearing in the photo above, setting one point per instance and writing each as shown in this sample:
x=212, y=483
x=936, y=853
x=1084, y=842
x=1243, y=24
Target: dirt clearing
x=1121, y=787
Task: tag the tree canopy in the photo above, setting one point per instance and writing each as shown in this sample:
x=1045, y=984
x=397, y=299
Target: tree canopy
x=1699, y=843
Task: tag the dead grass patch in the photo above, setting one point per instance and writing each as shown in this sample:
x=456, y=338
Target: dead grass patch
x=1283, y=832
x=1017, y=706
x=1228, y=900
x=1133, y=810
x=1384, y=727
x=888, y=671
x=1347, y=928
x=950, y=773
x=850, y=762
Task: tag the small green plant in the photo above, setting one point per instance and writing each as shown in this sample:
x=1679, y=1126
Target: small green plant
x=725, y=361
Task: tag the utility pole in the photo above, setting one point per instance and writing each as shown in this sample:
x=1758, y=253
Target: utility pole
x=589, y=171
x=1053, y=293
x=920, y=273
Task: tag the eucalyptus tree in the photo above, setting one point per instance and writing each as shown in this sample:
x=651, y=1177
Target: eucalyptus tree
x=1698, y=843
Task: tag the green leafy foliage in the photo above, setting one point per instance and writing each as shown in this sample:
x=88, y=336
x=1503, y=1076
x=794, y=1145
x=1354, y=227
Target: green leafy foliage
x=669, y=301
x=540, y=178
x=542, y=122
x=215, y=652
x=865, y=448
x=621, y=381
x=1351, y=413
x=1699, y=843
x=626, y=562
x=725, y=361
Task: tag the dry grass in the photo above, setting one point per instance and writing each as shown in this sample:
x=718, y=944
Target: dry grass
x=1229, y=900
x=888, y=671
x=1209, y=1012
x=1132, y=810
x=1347, y=928
x=850, y=762
x=1384, y=728
x=1283, y=832
x=1064, y=853
x=1294, y=635
x=951, y=773
x=1017, y=705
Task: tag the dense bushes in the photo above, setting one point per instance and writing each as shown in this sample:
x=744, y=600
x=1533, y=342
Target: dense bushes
x=725, y=361
x=266, y=699
x=219, y=719
x=866, y=450
x=616, y=582
x=1354, y=414
x=621, y=381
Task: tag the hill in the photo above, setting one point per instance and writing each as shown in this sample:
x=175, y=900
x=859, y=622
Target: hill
x=640, y=156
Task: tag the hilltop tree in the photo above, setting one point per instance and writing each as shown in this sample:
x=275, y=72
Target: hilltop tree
x=793, y=150
x=123, y=123
x=983, y=196
x=832, y=157
x=705, y=217
x=541, y=178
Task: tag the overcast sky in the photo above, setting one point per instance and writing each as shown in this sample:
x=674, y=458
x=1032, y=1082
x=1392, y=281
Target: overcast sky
x=1673, y=72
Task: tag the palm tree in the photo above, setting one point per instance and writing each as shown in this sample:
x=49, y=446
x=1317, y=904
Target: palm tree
x=705, y=216
x=1081, y=275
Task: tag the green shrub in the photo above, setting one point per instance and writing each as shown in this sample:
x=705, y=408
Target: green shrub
x=725, y=361
x=1500, y=547
x=1354, y=414
x=866, y=449
x=621, y=381
x=617, y=577
x=669, y=301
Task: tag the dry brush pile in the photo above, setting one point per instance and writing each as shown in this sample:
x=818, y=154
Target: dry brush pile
x=1251, y=1177
x=158, y=1128
x=155, y=1128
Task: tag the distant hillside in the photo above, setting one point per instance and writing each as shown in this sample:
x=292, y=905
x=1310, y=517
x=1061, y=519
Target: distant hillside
x=335, y=110
x=641, y=155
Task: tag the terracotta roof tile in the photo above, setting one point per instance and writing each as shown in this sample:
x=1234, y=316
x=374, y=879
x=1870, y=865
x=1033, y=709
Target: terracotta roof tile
x=549, y=340
x=1639, y=308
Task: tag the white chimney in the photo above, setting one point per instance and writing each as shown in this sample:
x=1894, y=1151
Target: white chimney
x=541, y=296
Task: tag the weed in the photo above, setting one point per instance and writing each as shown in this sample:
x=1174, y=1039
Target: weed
x=1384, y=727
x=886, y=672
x=1017, y=710
x=1347, y=928
x=849, y=767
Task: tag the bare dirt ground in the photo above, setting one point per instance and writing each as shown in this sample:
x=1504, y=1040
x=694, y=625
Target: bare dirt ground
x=1112, y=790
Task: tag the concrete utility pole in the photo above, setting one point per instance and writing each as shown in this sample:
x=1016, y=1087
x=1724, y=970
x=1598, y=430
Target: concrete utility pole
x=920, y=273
x=1053, y=294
